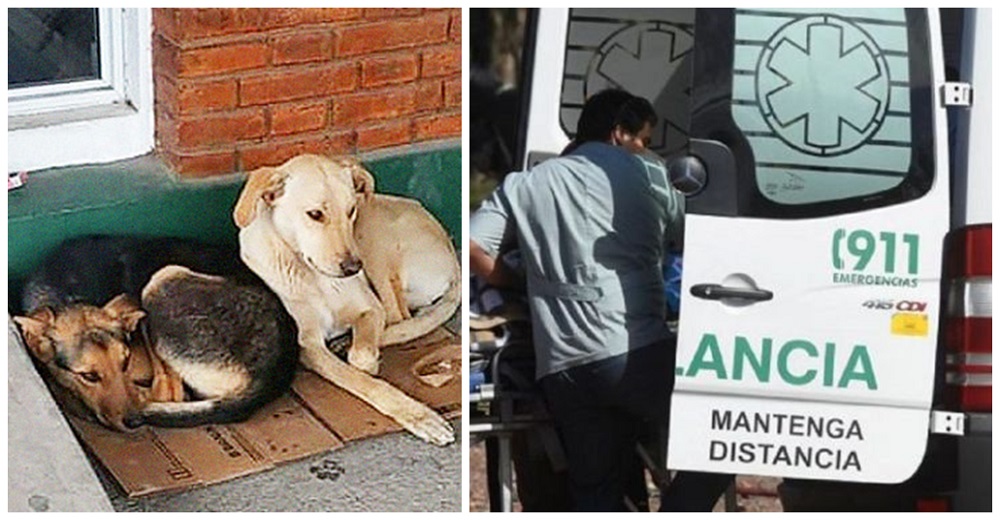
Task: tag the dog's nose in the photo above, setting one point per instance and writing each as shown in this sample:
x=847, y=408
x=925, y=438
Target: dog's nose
x=350, y=266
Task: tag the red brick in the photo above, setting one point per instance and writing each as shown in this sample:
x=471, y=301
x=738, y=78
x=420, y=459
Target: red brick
x=301, y=47
x=300, y=118
x=278, y=151
x=165, y=133
x=388, y=70
x=165, y=56
x=165, y=23
x=455, y=27
x=390, y=13
x=384, y=104
x=340, y=143
x=203, y=23
x=206, y=96
x=276, y=18
x=437, y=126
x=441, y=61
x=165, y=93
x=201, y=164
x=384, y=134
x=303, y=83
x=220, y=129
x=429, y=95
x=300, y=83
x=195, y=97
x=274, y=153
x=226, y=58
x=392, y=34
x=453, y=93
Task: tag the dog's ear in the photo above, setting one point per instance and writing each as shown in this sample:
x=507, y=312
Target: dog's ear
x=262, y=184
x=125, y=310
x=34, y=328
x=364, y=182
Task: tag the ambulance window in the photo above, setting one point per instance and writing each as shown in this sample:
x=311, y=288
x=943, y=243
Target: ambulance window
x=833, y=105
x=644, y=51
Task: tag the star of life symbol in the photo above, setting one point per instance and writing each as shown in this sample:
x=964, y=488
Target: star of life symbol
x=643, y=59
x=823, y=85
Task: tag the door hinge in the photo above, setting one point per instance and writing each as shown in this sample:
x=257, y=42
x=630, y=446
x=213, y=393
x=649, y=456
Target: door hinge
x=956, y=94
x=947, y=423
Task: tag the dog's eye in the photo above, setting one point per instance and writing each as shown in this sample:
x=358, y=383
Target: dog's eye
x=126, y=361
x=90, y=377
x=353, y=212
x=315, y=214
x=145, y=383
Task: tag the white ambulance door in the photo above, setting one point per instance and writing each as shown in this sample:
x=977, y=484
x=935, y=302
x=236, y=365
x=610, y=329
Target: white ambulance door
x=812, y=261
x=579, y=52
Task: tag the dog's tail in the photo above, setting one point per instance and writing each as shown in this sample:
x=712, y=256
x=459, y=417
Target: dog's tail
x=188, y=414
x=428, y=318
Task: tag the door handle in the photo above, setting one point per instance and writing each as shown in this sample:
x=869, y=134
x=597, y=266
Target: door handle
x=714, y=291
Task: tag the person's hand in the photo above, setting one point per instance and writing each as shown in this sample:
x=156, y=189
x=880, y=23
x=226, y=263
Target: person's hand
x=494, y=272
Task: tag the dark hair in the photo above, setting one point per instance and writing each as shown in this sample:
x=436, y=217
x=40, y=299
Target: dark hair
x=634, y=114
x=610, y=108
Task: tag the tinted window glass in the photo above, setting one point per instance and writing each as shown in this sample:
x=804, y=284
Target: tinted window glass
x=644, y=51
x=823, y=99
x=46, y=46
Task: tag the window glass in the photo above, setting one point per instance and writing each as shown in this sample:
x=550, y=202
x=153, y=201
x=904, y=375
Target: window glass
x=823, y=98
x=47, y=46
x=644, y=51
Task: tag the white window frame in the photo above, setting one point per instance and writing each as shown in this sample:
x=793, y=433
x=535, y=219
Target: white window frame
x=90, y=121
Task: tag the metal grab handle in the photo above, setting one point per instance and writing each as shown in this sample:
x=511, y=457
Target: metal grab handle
x=714, y=291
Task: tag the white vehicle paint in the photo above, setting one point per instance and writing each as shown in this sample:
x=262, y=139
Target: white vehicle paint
x=812, y=330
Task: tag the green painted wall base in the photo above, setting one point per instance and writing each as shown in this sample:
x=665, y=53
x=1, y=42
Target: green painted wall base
x=141, y=196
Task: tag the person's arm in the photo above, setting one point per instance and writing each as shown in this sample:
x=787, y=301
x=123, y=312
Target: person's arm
x=670, y=200
x=493, y=270
x=490, y=227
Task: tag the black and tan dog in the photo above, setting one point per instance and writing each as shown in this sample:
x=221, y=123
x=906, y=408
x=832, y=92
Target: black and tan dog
x=217, y=348
x=95, y=366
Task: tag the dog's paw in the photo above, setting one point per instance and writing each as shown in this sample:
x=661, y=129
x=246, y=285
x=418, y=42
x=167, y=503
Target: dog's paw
x=434, y=432
x=364, y=359
x=430, y=427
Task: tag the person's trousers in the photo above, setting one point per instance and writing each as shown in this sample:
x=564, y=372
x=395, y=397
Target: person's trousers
x=601, y=408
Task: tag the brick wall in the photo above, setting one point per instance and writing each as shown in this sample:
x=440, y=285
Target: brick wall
x=240, y=88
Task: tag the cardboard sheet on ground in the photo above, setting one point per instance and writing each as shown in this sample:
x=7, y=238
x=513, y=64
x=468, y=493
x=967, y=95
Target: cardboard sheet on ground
x=315, y=417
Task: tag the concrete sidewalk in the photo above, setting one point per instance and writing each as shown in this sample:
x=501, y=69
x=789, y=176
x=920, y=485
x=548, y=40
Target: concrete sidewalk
x=47, y=469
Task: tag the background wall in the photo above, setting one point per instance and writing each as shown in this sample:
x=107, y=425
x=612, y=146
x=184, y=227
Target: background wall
x=241, y=88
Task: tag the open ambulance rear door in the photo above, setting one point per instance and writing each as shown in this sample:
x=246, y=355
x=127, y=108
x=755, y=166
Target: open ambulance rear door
x=812, y=262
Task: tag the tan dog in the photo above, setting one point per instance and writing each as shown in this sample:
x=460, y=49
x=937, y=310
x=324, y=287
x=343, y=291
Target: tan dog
x=87, y=351
x=342, y=258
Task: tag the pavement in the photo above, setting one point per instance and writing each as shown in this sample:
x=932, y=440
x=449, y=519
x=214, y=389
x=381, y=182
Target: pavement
x=47, y=470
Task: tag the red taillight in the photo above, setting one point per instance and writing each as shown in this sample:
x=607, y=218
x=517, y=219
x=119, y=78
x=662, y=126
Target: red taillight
x=969, y=326
x=933, y=505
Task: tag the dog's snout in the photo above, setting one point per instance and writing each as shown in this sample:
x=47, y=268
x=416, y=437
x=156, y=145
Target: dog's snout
x=350, y=266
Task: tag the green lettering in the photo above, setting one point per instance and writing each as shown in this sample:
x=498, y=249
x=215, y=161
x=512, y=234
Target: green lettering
x=708, y=357
x=745, y=353
x=783, y=355
x=859, y=367
x=913, y=259
x=828, y=358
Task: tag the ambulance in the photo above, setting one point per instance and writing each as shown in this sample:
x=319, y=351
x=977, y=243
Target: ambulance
x=836, y=313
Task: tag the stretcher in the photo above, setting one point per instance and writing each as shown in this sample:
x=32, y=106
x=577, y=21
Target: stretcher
x=504, y=399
